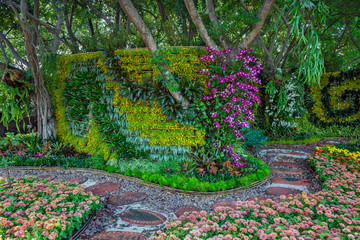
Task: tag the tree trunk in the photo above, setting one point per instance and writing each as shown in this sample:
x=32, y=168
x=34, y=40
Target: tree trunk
x=68, y=23
x=213, y=18
x=36, y=13
x=91, y=26
x=162, y=11
x=150, y=43
x=264, y=12
x=46, y=125
x=117, y=21
x=199, y=24
x=60, y=20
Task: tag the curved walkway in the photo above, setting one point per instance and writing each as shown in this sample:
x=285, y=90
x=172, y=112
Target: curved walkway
x=134, y=211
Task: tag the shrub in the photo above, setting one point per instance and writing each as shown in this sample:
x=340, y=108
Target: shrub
x=42, y=209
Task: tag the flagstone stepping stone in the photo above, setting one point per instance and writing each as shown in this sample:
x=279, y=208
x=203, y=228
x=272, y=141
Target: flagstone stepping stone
x=223, y=204
x=298, y=154
x=291, y=181
x=285, y=158
x=278, y=191
x=118, y=236
x=310, y=149
x=284, y=164
x=48, y=177
x=142, y=217
x=271, y=156
x=257, y=199
x=102, y=188
x=182, y=209
x=286, y=171
x=79, y=180
x=127, y=198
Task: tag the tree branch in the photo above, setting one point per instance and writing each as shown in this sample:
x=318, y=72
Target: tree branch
x=356, y=44
x=328, y=27
x=284, y=43
x=292, y=44
x=32, y=17
x=244, y=6
x=214, y=20
x=273, y=40
x=13, y=51
x=6, y=58
x=264, y=12
x=154, y=16
x=60, y=21
x=340, y=39
x=4, y=66
x=162, y=10
x=195, y=17
x=68, y=22
x=267, y=53
x=356, y=59
x=97, y=12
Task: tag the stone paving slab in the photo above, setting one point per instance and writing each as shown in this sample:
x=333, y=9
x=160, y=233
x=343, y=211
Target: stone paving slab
x=286, y=171
x=182, y=209
x=296, y=155
x=291, y=181
x=257, y=199
x=79, y=180
x=278, y=191
x=284, y=164
x=286, y=158
x=142, y=217
x=48, y=177
x=102, y=188
x=125, y=226
x=223, y=204
x=127, y=198
x=302, y=188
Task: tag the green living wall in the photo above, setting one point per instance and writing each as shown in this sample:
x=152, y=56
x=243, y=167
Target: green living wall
x=337, y=99
x=92, y=116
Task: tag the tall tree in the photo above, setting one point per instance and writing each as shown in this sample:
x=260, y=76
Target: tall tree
x=46, y=126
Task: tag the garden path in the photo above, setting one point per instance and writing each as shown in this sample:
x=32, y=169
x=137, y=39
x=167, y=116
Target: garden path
x=134, y=211
x=289, y=176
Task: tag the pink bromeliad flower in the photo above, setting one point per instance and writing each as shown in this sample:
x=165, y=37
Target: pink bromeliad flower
x=39, y=155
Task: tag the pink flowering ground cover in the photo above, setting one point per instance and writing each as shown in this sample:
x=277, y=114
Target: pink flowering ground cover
x=330, y=214
x=42, y=209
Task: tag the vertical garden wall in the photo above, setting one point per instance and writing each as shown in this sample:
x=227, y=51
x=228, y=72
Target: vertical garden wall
x=337, y=99
x=92, y=116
